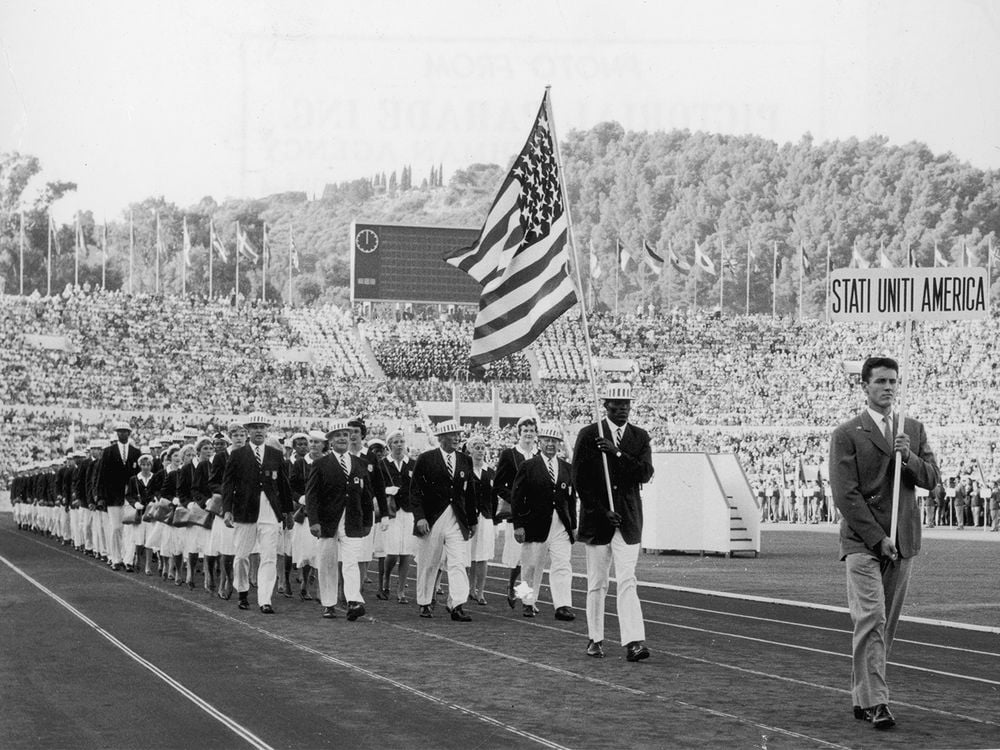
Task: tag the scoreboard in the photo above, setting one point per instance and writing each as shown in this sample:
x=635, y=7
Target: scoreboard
x=398, y=263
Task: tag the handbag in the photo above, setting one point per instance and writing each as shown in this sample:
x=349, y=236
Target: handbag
x=129, y=514
x=504, y=511
x=214, y=504
x=161, y=510
x=198, y=516
x=181, y=517
x=300, y=514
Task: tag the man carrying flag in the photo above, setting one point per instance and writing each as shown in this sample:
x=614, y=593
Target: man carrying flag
x=520, y=256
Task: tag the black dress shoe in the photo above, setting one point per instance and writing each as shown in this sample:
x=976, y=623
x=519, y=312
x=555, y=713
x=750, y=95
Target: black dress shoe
x=458, y=614
x=354, y=611
x=861, y=714
x=881, y=717
x=244, y=604
x=637, y=651
x=266, y=609
x=511, y=598
x=329, y=613
x=595, y=649
x=528, y=611
x=425, y=610
x=565, y=614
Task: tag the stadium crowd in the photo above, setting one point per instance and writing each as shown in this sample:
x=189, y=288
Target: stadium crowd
x=767, y=389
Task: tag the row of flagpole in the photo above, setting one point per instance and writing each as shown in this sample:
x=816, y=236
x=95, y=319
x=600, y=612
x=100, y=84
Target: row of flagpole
x=704, y=263
x=244, y=248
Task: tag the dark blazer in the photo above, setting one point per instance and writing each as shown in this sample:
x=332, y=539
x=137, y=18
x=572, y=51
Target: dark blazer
x=80, y=481
x=330, y=494
x=534, y=496
x=297, y=474
x=432, y=490
x=137, y=492
x=635, y=467
x=508, y=462
x=201, y=482
x=168, y=483
x=861, y=477
x=399, y=478
x=376, y=480
x=243, y=481
x=93, y=471
x=64, y=480
x=218, y=471
x=112, y=474
x=486, y=499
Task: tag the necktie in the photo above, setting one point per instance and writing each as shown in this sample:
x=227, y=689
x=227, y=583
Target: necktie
x=451, y=467
x=344, y=465
x=257, y=454
x=888, y=430
x=124, y=449
x=618, y=436
x=552, y=469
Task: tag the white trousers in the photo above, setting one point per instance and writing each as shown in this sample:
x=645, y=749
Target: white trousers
x=559, y=549
x=348, y=551
x=599, y=558
x=113, y=532
x=445, y=536
x=246, y=535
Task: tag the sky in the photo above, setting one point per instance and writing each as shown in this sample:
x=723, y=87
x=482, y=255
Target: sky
x=246, y=99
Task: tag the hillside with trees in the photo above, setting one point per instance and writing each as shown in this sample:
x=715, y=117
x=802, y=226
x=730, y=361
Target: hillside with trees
x=743, y=199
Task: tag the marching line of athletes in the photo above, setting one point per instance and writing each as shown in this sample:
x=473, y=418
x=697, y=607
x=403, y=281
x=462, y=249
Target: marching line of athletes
x=239, y=506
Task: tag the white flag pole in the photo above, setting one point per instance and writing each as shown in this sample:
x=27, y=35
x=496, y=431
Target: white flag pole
x=904, y=371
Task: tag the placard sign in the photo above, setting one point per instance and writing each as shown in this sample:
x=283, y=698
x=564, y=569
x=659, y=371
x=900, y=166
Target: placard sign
x=858, y=294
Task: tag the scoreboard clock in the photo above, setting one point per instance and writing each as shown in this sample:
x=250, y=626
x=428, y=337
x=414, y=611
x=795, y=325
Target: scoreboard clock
x=409, y=265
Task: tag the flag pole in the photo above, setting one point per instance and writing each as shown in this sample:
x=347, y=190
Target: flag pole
x=131, y=253
x=236, y=279
x=76, y=252
x=211, y=252
x=827, y=305
x=722, y=271
x=802, y=273
x=104, y=255
x=900, y=426
x=48, y=269
x=21, y=243
x=290, y=242
x=157, y=253
x=618, y=249
x=774, y=282
x=263, y=266
x=579, y=285
x=184, y=265
x=748, y=276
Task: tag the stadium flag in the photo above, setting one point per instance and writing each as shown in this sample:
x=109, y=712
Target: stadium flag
x=217, y=243
x=244, y=248
x=655, y=261
x=520, y=256
x=911, y=257
x=858, y=260
x=293, y=254
x=78, y=245
x=186, y=246
x=806, y=263
x=703, y=261
x=623, y=255
x=595, y=267
x=678, y=263
x=883, y=259
x=54, y=234
x=939, y=259
x=104, y=254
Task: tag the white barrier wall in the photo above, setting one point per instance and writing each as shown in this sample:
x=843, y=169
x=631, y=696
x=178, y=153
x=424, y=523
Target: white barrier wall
x=699, y=502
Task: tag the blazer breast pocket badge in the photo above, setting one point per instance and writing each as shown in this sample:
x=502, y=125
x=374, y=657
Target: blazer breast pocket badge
x=274, y=475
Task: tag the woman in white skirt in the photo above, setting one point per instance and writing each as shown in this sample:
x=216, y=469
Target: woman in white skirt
x=400, y=543
x=140, y=491
x=510, y=459
x=187, y=535
x=482, y=545
x=201, y=492
x=303, y=542
x=163, y=537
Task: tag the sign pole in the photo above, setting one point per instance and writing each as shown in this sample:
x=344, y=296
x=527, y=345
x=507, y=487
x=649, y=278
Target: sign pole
x=900, y=426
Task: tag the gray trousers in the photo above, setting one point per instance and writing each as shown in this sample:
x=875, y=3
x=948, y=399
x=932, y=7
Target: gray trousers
x=875, y=598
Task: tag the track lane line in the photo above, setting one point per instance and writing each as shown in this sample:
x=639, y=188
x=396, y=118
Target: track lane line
x=238, y=729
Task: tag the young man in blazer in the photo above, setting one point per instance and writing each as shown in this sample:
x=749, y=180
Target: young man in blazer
x=543, y=511
x=256, y=498
x=863, y=452
x=119, y=462
x=341, y=509
x=445, y=514
x=613, y=529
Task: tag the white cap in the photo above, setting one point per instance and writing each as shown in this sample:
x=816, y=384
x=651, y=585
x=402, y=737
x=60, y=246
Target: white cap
x=122, y=425
x=191, y=432
x=257, y=418
x=448, y=427
x=297, y=436
x=550, y=431
x=96, y=444
x=316, y=435
x=522, y=420
x=617, y=392
x=336, y=426
x=377, y=441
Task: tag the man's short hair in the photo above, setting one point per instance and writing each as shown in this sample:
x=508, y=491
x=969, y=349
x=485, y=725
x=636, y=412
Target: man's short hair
x=873, y=362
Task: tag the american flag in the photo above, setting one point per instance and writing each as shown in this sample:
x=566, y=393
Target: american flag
x=520, y=256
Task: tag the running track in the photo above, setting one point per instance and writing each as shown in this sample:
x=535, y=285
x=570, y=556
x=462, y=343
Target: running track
x=94, y=658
